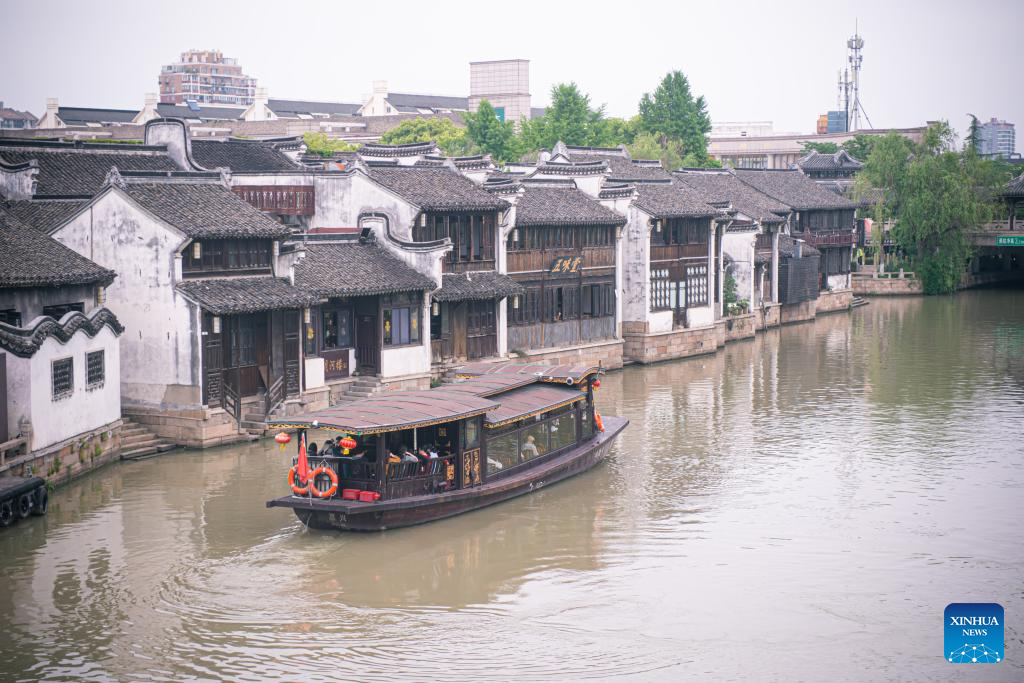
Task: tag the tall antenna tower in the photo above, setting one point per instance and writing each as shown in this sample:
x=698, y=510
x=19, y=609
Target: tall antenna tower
x=854, y=46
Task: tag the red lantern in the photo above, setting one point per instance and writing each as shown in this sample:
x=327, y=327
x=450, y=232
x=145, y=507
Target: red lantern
x=347, y=444
x=597, y=384
x=282, y=439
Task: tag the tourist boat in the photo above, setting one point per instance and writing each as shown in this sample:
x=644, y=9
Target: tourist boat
x=497, y=432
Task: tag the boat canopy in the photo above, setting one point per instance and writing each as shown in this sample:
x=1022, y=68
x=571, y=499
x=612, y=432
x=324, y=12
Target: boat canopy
x=390, y=413
x=526, y=402
x=504, y=392
x=566, y=374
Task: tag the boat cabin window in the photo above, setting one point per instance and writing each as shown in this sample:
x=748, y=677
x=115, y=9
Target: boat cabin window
x=532, y=438
x=472, y=433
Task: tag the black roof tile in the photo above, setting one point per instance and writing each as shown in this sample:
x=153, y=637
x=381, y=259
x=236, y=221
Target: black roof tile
x=476, y=286
x=672, y=199
x=204, y=210
x=241, y=156
x=437, y=189
x=31, y=258
x=225, y=296
x=795, y=189
x=44, y=215
x=356, y=269
x=723, y=186
x=562, y=204
x=77, y=169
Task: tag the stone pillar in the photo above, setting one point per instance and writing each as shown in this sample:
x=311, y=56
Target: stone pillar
x=720, y=268
x=775, y=266
x=712, y=253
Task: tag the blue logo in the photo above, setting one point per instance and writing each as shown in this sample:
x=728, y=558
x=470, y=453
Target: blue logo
x=974, y=633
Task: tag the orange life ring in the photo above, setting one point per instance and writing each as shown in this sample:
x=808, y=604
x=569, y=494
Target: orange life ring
x=296, y=489
x=331, y=475
x=598, y=421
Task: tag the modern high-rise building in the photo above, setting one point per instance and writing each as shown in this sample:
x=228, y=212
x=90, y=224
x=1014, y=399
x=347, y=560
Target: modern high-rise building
x=206, y=77
x=505, y=84
x=996, y=139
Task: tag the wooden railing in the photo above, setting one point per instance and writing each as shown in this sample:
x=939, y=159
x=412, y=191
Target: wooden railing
x=230, y=402
x=275, y=396
x=291, y=200
x=14, y=448
x=403, y=478
x=830, y=238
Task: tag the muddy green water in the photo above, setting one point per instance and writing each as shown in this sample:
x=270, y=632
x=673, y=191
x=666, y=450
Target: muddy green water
x=798, y=507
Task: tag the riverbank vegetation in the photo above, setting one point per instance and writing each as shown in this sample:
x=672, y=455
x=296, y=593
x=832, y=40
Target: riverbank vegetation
x=934, y=196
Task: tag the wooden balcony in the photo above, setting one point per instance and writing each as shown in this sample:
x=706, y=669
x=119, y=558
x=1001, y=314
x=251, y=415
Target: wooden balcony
x=288, y=200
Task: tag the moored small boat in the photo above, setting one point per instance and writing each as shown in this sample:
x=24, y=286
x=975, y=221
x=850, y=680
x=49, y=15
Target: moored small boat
x=408, y=457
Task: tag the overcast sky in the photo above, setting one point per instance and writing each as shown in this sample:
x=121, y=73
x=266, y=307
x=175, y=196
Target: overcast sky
x=773, y=61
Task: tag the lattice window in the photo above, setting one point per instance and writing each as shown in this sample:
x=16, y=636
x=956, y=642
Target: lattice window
x=95, y=369
x=62, y=374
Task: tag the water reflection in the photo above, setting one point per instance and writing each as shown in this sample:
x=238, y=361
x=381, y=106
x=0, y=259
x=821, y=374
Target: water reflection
x=774, y=511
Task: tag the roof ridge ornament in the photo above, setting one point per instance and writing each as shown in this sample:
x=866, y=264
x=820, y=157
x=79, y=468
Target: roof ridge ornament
x=114, y=179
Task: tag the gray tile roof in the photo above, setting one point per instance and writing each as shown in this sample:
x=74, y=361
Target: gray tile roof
x=841, y=160
x=437, y=189
x=795, y=189
x=81, y=116
x=787, y=248
x=673, y=200
x=79, y=169
x=408, y=149
x=356, y=269
x=204, y=210
x=623, y=168
x=44, y=215
x=1015, y=188
x=241, y=156
x=31, y=258
x=561, y=203
x=411, y=100
x=204, y=113
x=476, y=286
x=225, y=296
x=292, y=108
x=722, y=186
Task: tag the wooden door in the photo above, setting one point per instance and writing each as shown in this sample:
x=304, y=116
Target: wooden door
x=292, y=340
x=213, y=363
x=367, y=344
x=3, y=397
x=471, y=468
x=459, y=330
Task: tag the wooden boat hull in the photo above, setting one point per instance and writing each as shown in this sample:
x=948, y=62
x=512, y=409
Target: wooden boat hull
x=346, y=515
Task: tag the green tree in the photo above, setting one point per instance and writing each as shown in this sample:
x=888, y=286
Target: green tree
x=974, y=135
x=451, y=139
x=820, y=147
x=673, y=113
x=859, y=146
x=492, y=135
x=649, y=146
x=319, y=143
x=615, y=131
x=936, y=197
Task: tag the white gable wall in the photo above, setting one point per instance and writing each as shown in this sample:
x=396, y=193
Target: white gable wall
x=160, y=355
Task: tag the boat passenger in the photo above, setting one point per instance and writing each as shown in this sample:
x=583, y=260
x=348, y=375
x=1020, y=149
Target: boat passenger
x=530, y=448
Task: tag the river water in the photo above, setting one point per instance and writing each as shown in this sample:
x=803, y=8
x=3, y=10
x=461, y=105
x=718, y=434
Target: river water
x=802, y=506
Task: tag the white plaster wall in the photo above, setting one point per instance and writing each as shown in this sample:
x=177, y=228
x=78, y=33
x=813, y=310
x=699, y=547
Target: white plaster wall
x=17, y=185
x=839, y=281
x=700, y=316
x=31, y=390
x=659, y=321
x=315, y=372
x=160, y=357
x=340, y=199
x=636, y=268
x=740, y=248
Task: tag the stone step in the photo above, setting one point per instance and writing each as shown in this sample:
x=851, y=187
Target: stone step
x=134, y=431
x=137, y=438
x=361, y=393
x=253, y=425
x=254, y=417
x=139, y=453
